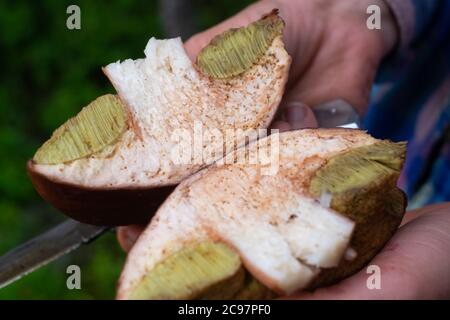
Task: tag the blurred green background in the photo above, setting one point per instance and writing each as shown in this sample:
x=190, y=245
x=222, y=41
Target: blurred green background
x=47, y=74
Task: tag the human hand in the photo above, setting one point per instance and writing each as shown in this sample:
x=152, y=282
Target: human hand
x=334, y=54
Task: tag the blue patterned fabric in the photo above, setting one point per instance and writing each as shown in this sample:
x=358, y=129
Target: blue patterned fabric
x=411, y=101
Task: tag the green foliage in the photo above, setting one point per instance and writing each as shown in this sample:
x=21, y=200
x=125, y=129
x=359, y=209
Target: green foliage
x=47, y=74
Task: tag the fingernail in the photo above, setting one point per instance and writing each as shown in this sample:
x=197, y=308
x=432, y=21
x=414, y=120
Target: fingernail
x=133, y=233
x=296, y=112
x=129, y=239
x=129, y=236
x=281, y=125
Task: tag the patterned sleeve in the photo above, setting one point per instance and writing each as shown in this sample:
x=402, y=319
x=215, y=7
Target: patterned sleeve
x=411, y=98
x=413, y=17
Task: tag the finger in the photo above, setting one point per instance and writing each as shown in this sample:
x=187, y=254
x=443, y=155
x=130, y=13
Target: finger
x=281, y=125
x=251, y=13
x=414, y=264
x=128, y=235
x=299, y=116
x=337, y=72
x=414, y=214
x=348, y=81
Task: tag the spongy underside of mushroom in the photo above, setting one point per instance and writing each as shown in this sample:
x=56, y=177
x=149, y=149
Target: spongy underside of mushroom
x=281, y=233
x=164, y=93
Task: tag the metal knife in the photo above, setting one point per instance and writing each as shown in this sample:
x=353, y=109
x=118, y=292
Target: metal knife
x=337, y=113
x=48, y=246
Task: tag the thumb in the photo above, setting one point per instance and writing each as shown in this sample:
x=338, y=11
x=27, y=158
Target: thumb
x=347, y=75
x=128, y=235
x=298, y=115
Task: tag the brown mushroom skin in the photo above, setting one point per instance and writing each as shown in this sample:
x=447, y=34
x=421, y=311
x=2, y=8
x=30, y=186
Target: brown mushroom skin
x=383, y=209
x=97, y=206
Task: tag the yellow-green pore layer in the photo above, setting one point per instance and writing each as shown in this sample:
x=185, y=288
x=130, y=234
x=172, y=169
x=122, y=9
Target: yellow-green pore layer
x=362, y=183
x=363, y=186
x=236, y=50
x=359, y=168
x=205, y=270
x=96, y=126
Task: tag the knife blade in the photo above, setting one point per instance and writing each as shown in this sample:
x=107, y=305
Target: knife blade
x=48, y=246
x=337, y=113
